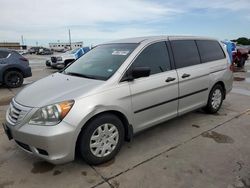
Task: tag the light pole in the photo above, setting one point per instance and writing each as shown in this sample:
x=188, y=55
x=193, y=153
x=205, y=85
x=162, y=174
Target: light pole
x=69, y=39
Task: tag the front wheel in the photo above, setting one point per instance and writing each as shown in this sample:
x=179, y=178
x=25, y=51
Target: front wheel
x=102, y=139
x=215, y=99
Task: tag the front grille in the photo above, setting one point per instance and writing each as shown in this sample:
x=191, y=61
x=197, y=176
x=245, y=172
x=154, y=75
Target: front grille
x=53, y=59
x=16, y=113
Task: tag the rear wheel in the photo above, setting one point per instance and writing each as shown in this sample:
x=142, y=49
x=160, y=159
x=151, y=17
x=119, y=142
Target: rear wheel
x=215, y=99
x=102, y=139
x=13, y=79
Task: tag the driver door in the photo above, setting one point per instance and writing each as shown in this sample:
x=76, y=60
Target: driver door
x=154, y=98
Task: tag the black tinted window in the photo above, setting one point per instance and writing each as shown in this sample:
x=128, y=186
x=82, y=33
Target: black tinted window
x=3, y=54
x=210, y=50
x=155, y=57
x=185, y=53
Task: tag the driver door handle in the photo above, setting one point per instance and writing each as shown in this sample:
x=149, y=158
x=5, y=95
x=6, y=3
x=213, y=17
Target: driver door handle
x=170, y=79
x=185, y=75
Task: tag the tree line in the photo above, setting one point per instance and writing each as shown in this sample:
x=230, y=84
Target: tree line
x=242, y=41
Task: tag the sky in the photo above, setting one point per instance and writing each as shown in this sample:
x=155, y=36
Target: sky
x=97, y=21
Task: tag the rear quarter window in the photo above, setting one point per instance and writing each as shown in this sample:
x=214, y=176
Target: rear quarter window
x=210, y=50
x=185, y=53
x=3, y=54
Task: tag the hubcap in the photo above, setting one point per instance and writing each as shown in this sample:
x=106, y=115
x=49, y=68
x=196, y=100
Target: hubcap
x=13, y=79
x=104, y=140
x=216, y=98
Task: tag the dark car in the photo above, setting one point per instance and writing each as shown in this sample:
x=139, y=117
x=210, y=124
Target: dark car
x=34, y=50
x=44, y=51
x=13, y=68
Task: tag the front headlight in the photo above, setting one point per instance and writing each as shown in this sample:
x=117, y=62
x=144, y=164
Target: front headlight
x=51, y=114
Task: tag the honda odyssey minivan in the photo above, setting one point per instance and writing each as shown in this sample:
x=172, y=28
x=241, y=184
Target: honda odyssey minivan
x=114, y=91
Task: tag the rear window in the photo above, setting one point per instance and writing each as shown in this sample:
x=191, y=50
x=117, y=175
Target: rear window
x=210, y=50
x=3, y=54
x=185, y=53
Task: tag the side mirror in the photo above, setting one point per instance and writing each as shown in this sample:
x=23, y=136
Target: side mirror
x=137, y=72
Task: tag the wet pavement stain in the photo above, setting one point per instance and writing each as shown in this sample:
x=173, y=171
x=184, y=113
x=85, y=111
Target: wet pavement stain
x=196, y=126
x=217, y=137
x=57, y=172
x=107, y=163
x=84, y=173
x=42, y=167
x=6, y=184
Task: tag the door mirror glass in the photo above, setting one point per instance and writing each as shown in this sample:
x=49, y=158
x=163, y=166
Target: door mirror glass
x=139, y=72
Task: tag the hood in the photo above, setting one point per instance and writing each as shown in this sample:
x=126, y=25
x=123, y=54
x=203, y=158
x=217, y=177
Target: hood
x=56, y=88
x=68, y=56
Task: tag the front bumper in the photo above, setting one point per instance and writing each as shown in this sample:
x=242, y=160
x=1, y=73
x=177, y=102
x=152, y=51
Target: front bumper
x=58, y=64
x=55, y=144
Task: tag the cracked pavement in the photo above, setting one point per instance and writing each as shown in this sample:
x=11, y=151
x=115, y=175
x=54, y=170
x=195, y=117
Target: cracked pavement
x=194, y=150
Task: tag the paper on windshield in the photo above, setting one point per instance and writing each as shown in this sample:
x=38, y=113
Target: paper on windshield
x=120, y=52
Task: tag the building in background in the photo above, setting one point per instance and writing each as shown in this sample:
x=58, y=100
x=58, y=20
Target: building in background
x=13, y=45
x=59, y=46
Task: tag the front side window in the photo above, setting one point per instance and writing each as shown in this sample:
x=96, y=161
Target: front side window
x=101, y=62
x=185, y=53
x=210, y=50
x=155, y=57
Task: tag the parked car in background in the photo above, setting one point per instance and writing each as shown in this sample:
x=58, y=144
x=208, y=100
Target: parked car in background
x=44, y=51
x=33, y=50
x=114, y=91
x=64, y=59
x=240, y=56
x=22, y=52
x=13, y=68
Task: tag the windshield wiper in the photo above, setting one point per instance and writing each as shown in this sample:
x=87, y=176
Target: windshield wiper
x=78, y=75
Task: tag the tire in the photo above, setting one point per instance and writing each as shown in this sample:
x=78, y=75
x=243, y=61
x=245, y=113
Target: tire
x=13, y=79
x=99, y=152
x=215, y=99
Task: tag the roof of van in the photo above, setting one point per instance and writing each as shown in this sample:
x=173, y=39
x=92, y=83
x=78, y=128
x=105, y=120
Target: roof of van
x=155, y=38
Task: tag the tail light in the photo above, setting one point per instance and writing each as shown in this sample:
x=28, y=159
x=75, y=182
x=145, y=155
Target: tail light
x=23, y=59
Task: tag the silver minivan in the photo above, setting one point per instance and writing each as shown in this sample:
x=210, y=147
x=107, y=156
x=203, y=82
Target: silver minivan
x=114, y=91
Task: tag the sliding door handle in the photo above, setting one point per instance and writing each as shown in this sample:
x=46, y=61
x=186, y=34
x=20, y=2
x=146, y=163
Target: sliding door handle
x=170, y=79
x=185, y=75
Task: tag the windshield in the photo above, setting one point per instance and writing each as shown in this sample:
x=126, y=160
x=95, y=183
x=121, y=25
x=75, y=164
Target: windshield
x=101, y=62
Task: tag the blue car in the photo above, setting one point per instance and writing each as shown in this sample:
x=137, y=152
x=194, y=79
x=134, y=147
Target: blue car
x=13, y=68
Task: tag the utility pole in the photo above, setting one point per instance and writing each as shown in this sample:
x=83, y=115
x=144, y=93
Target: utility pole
x=69, y=39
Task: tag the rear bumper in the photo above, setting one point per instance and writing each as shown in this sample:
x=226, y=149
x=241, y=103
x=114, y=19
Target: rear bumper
x=54, y=144
x=27, y=72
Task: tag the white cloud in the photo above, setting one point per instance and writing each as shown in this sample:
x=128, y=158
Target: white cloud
x=48, y=20
x=232, y=5
x=78, y=12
